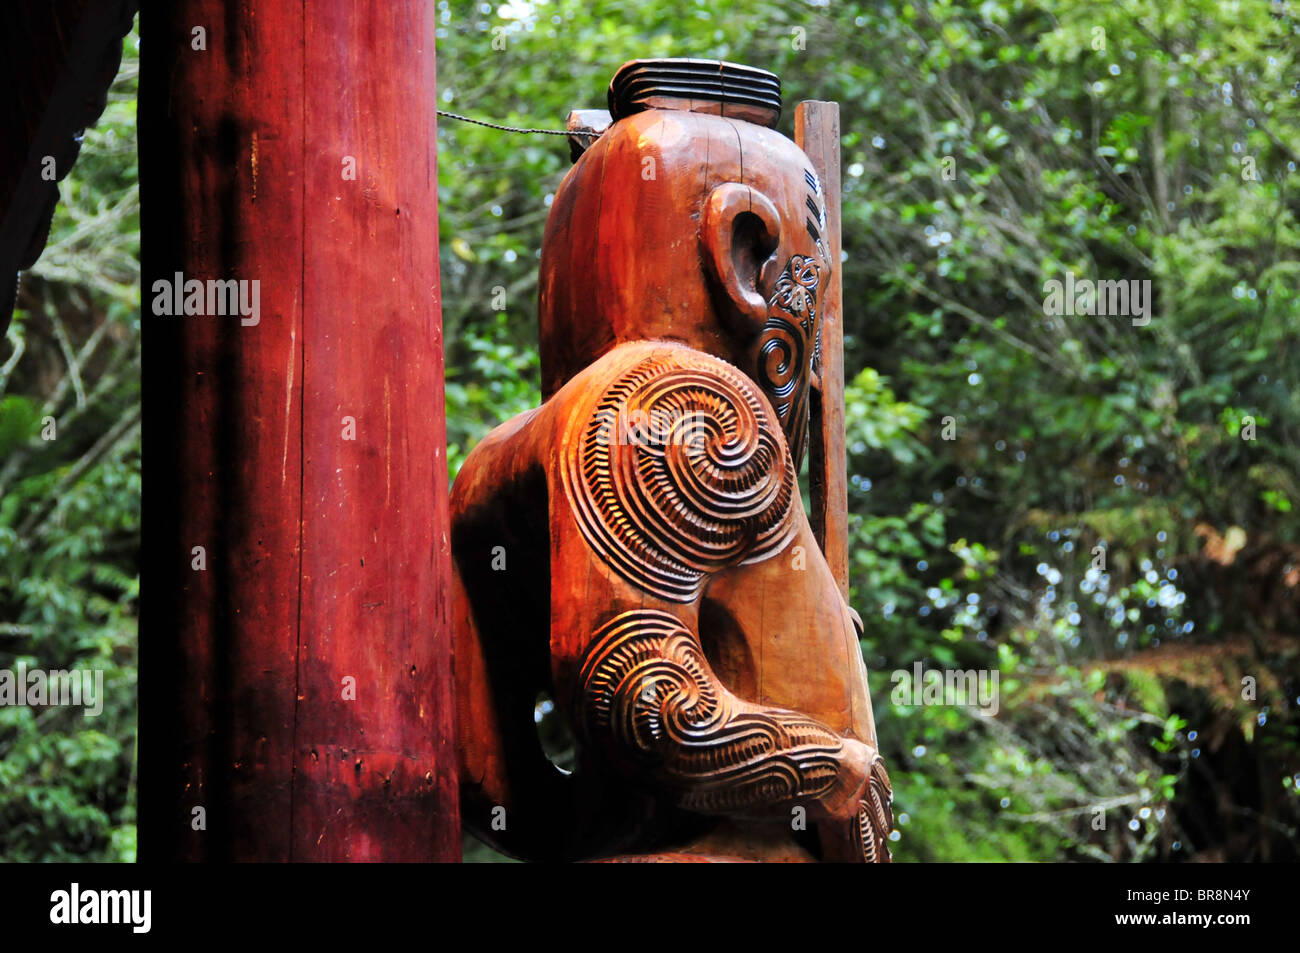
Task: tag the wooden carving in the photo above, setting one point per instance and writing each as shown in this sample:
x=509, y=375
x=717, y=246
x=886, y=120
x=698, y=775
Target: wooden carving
x=636, y=549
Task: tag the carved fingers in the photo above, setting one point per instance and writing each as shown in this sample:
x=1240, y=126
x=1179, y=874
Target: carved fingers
x=863, y=835
x=648, y=698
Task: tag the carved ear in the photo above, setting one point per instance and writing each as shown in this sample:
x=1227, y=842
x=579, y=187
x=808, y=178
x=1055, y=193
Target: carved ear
x=739, y=234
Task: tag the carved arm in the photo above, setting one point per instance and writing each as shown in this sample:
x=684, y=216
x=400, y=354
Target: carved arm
x=649, y=696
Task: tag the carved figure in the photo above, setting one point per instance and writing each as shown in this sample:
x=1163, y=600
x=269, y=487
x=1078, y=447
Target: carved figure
x=637, y=548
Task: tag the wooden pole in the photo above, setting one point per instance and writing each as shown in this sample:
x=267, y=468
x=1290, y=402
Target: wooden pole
x=294, y=659
x=817, y=132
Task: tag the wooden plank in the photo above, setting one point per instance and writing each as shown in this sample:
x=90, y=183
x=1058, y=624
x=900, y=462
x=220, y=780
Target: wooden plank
x=326, y=558
x=817, y=132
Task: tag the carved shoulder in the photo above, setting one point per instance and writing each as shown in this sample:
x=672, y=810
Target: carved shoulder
x=675, y=467
x=498, y=461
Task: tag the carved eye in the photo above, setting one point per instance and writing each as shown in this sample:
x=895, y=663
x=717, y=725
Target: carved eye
x=796, y=288
x=805, y=272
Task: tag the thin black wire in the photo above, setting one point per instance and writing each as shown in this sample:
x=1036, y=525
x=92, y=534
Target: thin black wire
x=495, y=125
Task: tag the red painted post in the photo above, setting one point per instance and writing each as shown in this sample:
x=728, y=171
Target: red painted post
x=295, y=652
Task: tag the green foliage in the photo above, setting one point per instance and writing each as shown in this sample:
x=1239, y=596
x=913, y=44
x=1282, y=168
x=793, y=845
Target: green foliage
x=70, y=509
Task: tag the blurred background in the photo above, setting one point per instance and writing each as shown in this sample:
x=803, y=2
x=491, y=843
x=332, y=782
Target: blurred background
x=1107, y=515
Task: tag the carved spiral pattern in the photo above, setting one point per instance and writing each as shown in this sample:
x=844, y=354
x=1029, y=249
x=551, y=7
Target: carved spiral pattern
x=781, y=357
x=680, y=473
x=648, y=690
x=789, y=347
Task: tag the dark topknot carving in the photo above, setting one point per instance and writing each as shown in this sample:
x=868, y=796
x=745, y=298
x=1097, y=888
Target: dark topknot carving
x=713, y=86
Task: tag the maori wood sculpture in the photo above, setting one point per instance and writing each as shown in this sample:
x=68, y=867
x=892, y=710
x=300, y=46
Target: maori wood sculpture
x=637, y=548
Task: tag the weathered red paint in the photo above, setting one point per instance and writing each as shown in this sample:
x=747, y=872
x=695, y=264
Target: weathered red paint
x=327, y=558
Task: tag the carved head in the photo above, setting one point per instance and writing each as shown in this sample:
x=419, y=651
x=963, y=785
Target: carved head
x=685, y=222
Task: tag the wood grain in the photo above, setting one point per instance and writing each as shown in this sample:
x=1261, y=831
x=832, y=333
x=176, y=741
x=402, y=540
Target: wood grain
x=327, y=554
x=817, y=131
